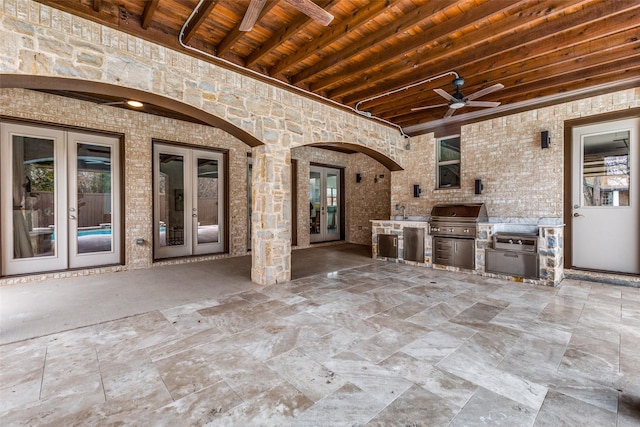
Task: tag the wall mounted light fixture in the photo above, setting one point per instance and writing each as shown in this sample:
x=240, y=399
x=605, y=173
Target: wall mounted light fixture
x=478, y=187
x=358, y=178
x=416, y=190
x=545, y=140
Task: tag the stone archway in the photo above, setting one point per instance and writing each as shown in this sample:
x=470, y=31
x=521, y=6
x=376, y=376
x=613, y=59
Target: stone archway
x=97, y=88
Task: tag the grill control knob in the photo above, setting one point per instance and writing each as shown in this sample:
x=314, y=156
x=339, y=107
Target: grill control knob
x=466, y=230
x=451, y=230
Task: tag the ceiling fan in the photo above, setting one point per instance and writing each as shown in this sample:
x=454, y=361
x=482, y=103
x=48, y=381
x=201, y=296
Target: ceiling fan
x=307, y=7
x=458, y=100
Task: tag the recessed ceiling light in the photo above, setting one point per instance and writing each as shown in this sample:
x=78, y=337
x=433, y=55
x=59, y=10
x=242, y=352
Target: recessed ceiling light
x=136, y=104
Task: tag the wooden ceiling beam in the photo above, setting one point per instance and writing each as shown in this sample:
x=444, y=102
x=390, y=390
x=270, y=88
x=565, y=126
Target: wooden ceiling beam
x=201, y=16
x=433, y=49
x=618, y=46
x=337, y=31
x=554, y=84
x=149, y=9
x=283, y=35
x=571, y=29
x=439, y=36
x=235, y=34
x=416, y=17
x=96, y=5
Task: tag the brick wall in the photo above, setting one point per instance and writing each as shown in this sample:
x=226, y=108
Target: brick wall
x=364, y=201
x=520, y=179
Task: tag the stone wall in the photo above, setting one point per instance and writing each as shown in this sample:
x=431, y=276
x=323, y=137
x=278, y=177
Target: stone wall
x=39, y=40
x=520, y=179
x=139, y=130
x=364, y=201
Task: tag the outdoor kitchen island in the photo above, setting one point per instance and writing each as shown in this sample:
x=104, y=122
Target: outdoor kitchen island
x=388, y=244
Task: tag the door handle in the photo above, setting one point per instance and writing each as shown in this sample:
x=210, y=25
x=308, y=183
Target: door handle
x=72, y=217
x=576, y=214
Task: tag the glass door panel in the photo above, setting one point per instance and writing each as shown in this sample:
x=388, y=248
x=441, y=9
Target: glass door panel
x=94, y=202
x=93, y=192
x=33, y=187
x=324, y=204
x=315, y=204
x=170, y=199
x=333, y=220
x=207, y=204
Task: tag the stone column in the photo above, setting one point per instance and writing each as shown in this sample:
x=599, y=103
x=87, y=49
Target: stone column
x=271, y=215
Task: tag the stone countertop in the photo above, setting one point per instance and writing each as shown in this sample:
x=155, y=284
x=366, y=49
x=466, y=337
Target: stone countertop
x=403, y=221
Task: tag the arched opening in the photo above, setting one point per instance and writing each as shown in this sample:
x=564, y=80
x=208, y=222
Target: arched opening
x=83, y=89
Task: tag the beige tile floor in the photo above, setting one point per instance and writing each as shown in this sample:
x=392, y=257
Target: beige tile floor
x=378, y=344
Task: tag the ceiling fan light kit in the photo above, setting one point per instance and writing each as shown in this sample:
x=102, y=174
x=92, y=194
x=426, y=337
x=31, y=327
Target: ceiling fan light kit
x=457, y=100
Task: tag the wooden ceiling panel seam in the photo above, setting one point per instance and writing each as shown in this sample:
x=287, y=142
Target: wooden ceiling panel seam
x=504, y=51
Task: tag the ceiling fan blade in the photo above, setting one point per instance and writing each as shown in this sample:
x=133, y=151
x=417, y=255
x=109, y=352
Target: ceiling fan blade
x=312, y=10
x=482, y=104
x=251, y=15
x=445, y=95
x=429, y=106
x=450, y=112
x=485, y=91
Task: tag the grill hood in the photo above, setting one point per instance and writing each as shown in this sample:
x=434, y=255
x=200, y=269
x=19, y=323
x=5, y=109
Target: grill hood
x=459, y=212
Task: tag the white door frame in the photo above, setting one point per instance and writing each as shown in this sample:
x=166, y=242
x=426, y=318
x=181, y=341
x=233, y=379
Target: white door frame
x=112, y=256
x=64, y=254
x=324, y=235
x=605, y=238
x=190, y=244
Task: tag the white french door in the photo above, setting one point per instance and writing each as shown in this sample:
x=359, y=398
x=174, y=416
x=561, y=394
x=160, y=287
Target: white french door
x=606, y=197
x=188, y=201
x=61, y=202
x=324, y=204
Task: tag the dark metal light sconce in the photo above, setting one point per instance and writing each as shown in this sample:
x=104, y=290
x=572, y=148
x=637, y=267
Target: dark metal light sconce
x=416, y=190
x=358, y=178
x=478, y=187
x=545, y=141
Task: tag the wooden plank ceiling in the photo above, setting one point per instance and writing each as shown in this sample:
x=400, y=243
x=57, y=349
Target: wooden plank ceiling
x=538, y=49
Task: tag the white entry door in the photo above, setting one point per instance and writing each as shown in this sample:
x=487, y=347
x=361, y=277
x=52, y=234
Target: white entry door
x=606, y=193
x=324, y=204
x=188, y=201
x=60, y=203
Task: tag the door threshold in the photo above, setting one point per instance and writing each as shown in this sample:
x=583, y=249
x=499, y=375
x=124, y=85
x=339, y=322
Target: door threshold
x=622, y=279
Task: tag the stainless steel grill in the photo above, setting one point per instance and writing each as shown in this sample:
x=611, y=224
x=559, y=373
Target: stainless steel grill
x=454, y=228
